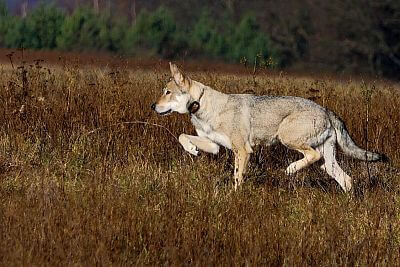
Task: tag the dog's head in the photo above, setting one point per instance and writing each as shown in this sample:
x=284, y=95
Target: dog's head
x=176, y=96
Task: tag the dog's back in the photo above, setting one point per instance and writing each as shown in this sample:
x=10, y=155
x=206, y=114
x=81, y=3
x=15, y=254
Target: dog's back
x=265, y=113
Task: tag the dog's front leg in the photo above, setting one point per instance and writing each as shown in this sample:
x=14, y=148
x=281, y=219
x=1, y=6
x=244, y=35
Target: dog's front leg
x=192, y=144
x=241, y=161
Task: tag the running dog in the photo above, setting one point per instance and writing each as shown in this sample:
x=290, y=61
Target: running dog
x=241, y=121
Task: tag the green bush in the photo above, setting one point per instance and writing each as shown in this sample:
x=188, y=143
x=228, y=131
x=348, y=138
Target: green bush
x=249, y=42
x=38, y=30
x=155, y=32
x=80, y=30
x=16, y=32
x=85, y=29
x=43, y=26
x=116, y=34
x=206, y=39
x=231, y=41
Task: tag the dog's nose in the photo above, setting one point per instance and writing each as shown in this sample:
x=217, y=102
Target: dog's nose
x=153, y=106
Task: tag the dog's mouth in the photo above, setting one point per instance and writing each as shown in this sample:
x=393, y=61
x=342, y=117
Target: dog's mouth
x=165, y=112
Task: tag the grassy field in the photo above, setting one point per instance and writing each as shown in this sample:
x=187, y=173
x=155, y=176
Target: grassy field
x=90, y=175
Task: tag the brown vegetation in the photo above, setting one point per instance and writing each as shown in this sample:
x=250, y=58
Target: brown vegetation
x=87, y=177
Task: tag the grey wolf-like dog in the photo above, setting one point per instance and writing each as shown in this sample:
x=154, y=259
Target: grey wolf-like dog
x=241, y=121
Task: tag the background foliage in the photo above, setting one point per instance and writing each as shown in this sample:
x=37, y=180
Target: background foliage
x=341, y=36
x=154, y=33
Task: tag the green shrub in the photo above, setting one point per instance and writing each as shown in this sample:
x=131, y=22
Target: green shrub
x=249, y=42
x=155, y=32
x=85, y=29
x=117, y=30
x=231, y=41
x=16, y=32
x=43, y=26
x=38, y=30
x=206, y=39
x=80, y=30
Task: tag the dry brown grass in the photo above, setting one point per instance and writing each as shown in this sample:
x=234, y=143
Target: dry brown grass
x=79, y=187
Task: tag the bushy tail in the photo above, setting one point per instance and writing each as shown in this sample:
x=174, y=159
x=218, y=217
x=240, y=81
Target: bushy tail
x=347, y=144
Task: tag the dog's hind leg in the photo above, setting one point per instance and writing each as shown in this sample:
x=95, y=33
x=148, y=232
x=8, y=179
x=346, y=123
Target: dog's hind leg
x=192, y=143
x=331, y=166
x=310, y=156
x=302, y=131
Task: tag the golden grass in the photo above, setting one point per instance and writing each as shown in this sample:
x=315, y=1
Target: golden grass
x=81, y=183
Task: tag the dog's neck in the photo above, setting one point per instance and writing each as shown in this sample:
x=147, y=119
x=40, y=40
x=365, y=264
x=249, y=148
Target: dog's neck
x=210, y=102
x=194, y=106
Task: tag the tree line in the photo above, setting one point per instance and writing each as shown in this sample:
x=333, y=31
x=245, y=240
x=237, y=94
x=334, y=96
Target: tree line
x=153, y=33
x=338, y=35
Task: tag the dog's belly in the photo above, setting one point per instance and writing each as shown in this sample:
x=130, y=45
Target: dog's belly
x=262, y=137
x=262, y=133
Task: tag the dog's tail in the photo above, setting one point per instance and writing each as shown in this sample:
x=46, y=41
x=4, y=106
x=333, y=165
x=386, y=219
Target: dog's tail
x=347, y=144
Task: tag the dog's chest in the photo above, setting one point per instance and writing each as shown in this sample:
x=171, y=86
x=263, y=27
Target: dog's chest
x=201, y=125
x=205, y=129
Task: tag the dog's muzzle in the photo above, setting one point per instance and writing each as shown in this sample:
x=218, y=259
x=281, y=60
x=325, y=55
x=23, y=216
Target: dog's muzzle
x=153, y=107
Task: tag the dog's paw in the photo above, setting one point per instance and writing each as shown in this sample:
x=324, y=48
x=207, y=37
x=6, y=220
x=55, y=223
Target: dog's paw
x=292, y=169
x=192, y=149
x=194, y=152
x=188, y=146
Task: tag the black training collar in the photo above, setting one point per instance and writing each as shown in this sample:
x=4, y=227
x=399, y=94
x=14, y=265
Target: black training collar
x=195, y=105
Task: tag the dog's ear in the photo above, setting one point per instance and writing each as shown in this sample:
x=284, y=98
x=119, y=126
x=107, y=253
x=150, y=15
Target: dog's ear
x=180, y=79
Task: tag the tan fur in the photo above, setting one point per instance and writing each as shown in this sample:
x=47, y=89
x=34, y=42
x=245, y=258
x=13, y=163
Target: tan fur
x=241, y=121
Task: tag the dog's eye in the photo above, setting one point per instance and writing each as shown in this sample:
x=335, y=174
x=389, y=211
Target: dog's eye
x=167, y=92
